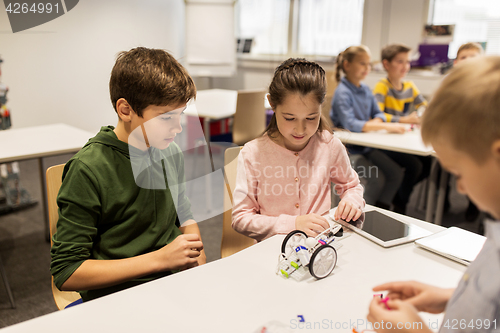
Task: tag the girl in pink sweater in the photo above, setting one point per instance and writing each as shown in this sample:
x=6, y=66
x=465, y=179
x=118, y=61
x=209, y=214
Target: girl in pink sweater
x=283, y=179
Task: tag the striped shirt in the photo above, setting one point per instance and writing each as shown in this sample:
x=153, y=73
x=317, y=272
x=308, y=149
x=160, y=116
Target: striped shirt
x=397, y=103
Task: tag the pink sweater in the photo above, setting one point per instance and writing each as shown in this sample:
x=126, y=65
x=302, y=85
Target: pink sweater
x=274, y=185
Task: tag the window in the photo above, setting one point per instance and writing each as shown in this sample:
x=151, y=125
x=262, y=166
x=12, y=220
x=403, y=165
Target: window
x=475, y=21
x=266, y=21
x=319, y=27
x=328, y=27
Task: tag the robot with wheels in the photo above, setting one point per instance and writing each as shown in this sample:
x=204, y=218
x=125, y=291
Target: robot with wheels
x=299, y=252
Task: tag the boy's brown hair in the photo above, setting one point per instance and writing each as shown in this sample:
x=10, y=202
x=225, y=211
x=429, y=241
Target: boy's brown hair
x=390, y=51
x=297, y=75
x=146, y=77
x=470, y=46
x=465, y=108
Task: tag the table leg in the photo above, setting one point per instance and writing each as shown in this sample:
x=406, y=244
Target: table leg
x=6, y=283
x=431, y=194
x=208, y=179
x=44, y=199
x=443, y=183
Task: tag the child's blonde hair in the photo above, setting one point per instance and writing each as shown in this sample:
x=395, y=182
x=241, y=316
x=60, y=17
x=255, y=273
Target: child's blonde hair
x=466, y=108
x=349, y=54
x=470, y=46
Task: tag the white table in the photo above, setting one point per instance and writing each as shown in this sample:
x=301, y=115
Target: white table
x=408, y=143
x=212, y=105
x=242, y=292
x=39, y=142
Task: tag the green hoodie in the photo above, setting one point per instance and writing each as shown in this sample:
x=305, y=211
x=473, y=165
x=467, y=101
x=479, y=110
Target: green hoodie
x=104, y=214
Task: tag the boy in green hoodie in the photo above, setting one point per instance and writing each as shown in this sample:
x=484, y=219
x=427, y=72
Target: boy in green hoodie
x=124, y=218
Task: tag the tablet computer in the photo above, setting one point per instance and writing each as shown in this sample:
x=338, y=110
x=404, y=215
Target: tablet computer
x=384, y=230
x=458, y=244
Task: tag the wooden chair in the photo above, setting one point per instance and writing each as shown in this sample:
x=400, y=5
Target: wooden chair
x=250, y=118
x=232, y=241
x=331, y=85
x=54, y=180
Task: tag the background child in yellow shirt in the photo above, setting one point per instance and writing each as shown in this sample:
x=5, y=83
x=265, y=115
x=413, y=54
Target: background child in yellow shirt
x=398, y=99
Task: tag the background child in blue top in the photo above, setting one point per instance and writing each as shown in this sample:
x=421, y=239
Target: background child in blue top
x=355, y=109
x=461, y=123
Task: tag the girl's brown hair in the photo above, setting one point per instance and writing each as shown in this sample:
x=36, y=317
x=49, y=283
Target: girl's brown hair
x=349, y=54
x=297, y=75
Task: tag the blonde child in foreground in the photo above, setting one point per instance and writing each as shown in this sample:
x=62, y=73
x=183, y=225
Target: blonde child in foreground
x=461, y=123
x=465, y=52
x=283, y=178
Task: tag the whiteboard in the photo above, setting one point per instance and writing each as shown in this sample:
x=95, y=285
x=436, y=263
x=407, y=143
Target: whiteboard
x=210, y=39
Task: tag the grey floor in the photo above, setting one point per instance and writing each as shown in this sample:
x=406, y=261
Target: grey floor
x=25, y=251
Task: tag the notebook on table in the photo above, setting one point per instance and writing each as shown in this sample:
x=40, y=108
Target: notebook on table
x=455, y=243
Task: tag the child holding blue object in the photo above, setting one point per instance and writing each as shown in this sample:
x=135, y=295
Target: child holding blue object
x=283, y=178
x=461, y=123
x=354, y=108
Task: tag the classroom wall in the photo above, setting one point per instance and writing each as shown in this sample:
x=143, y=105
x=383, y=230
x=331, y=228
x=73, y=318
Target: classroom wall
x=385, y=22
x=59, y=71
x=393, y=21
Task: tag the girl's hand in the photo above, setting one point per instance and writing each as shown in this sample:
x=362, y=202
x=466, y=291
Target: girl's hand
x=347, y=211
x=422, y=296
x=401, y=316
x=311, y=224
x=395, y=128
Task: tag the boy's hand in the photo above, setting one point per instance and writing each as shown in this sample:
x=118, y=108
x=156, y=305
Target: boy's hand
x=347, y=211
x=311, y=224
x=422, y=296
x=202, y=259
x=400, y=316
x=395, y=128
x=182, y=253
x=412, y=118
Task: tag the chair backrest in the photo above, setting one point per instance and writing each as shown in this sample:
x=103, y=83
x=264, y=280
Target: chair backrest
x=331, y=85
x=250, y=117
x=54, y=180
x=232, y=241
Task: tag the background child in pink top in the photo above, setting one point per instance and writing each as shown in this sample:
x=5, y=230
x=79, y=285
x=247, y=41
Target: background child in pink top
x=283, y=179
